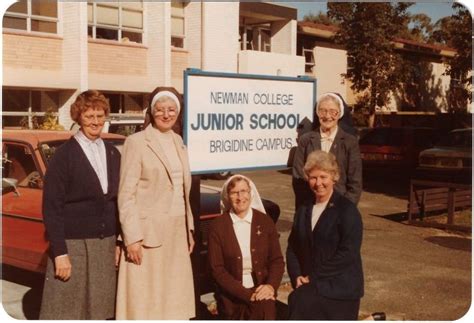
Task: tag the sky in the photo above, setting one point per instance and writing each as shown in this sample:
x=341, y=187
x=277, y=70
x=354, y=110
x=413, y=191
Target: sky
x=434, y=9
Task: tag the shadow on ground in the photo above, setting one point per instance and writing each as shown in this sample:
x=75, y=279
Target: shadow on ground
x=287, y=171
x=205, y=315
x=396, y=217
x=451, y=242
x=31, y=301
x=390, y=184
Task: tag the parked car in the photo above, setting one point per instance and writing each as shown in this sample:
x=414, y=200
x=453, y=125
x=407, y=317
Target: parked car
x=395, y=148
x=362, y=131
x=25, y=156
x=450, y=159
x=219, y=175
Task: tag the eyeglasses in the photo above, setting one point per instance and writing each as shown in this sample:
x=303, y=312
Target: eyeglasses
x=331, y=112
x=90, y=118
x=239, y=193
x=161, y=112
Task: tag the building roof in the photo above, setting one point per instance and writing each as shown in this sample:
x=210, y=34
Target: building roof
x=263, y=11
x=328, y=31
x=313, y=25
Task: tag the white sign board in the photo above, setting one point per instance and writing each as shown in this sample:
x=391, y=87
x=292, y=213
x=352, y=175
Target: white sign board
x=242, y=122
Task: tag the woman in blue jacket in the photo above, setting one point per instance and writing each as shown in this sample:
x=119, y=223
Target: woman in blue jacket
x=323, y=255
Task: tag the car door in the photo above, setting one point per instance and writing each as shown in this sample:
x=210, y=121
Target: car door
x=23, y=241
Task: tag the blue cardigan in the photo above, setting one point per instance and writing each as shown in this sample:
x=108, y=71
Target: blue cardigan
x=74, y=205
x=330, y=254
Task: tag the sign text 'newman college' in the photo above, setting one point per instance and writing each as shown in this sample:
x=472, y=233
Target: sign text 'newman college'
x=242, y=123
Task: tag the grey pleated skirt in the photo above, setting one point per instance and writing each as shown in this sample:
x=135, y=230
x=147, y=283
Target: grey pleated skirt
x=90, y=292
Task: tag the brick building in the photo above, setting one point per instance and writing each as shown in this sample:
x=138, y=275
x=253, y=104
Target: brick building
x=54, y=50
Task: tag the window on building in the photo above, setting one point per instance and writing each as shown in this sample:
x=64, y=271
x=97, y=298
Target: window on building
x=125, y=103
x=32, y=16
x=120, y=21
x=177, y=24
x=19, y=105
x=255, y=38
x=309, y=59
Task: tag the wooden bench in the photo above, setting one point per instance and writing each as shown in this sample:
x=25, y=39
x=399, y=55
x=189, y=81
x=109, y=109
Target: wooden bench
x=427, y=196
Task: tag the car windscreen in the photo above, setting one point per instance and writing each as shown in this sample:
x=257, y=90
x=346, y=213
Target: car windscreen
x=459, y=139
x=47, y=149
x=383, y=137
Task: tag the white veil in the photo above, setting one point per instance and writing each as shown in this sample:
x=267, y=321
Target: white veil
x=255, y=200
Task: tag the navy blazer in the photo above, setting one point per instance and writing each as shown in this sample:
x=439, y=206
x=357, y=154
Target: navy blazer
x=346, y=149
x=330, y=254
x=74, y=205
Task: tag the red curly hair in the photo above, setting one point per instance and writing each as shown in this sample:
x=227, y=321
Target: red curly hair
x=90, y=99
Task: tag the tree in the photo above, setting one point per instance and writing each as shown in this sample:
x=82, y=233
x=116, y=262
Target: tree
x=367, y=30
x=460, y=67
x=442, y=31
x=319, y=18
x=422, y=27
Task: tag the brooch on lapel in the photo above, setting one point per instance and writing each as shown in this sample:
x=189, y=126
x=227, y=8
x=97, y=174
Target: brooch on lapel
x=258, y=230
x=331, y=204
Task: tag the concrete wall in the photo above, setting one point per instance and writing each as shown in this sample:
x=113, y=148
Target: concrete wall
x=442, y=81
x=330, y=63
x=179, y=62
x=283, y=39
x=254, y=62
x=193, y=27
x=220, y=44
x=157, y=42
x=116, y=67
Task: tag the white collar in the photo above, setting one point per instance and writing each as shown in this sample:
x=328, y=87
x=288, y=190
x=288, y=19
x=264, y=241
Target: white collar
x=82, y=137
x=331, y=136
x=247, y=218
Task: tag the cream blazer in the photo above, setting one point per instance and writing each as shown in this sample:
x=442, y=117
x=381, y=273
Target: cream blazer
x=146, y=188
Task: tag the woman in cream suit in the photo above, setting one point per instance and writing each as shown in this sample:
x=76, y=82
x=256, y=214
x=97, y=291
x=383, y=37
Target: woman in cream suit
x=155, y=275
